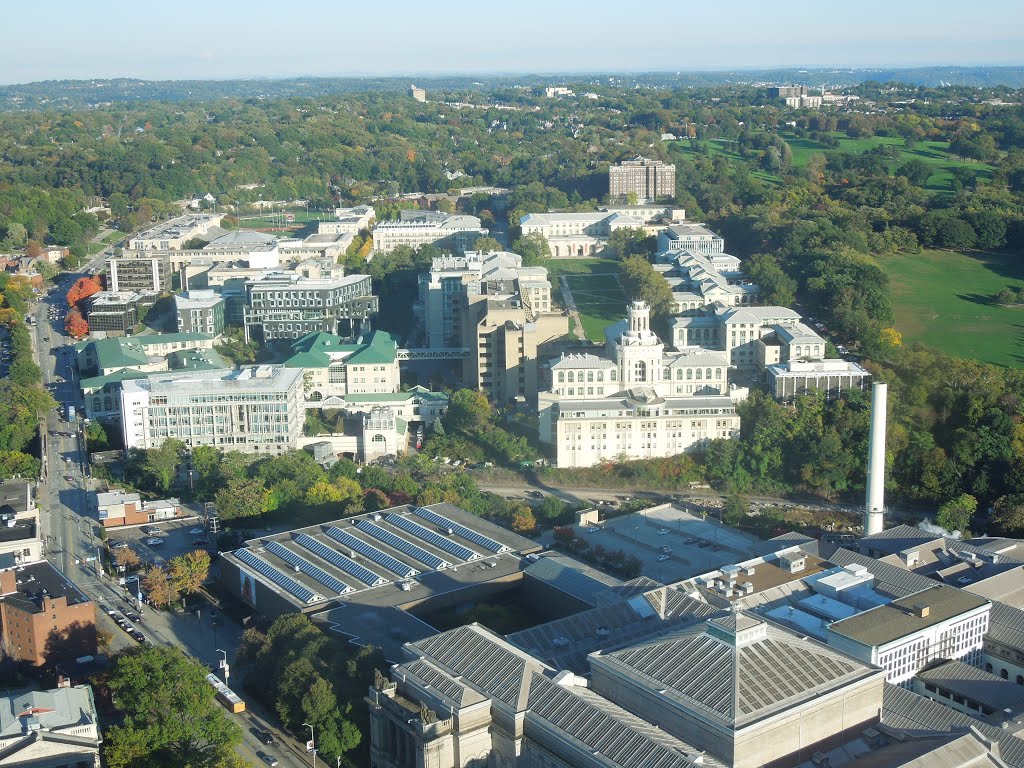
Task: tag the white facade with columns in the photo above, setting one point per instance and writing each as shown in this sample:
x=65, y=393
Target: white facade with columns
x=638, y=401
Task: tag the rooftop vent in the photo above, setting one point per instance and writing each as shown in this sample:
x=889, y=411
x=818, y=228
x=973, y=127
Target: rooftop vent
x=921, y=610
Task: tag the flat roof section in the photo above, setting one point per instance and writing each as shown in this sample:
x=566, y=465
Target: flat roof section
x=886, y=623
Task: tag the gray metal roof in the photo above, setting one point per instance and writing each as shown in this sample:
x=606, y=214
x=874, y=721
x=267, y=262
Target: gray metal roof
x=976, y=684
x=483, y=660
x=572, y=577
x=595, y=725
x=907, y=710
x=737, y=681
x=565, y=643
x=1006, y=625
x=1006, y=587
x=450, y=691
x=54, y=710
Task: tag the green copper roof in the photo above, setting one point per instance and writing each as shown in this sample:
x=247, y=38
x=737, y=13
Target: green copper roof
x=98, y=382
x=380, y=348
x=312, y=350
x=118, y=352
x=171, y=338
x=195, y=360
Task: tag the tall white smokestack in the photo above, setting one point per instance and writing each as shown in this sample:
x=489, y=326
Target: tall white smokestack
x=875, y=504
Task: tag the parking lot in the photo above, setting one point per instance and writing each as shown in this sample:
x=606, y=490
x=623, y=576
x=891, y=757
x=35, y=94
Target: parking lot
x=674, y=543
x=175, y=535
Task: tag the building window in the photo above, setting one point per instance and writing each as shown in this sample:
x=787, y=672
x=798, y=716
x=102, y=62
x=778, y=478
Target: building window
x=640, y=371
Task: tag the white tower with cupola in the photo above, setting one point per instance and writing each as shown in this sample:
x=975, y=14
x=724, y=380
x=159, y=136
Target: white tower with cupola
x=638, y=351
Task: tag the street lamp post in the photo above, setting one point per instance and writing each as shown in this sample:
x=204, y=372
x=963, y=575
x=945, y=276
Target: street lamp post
x=224, y=664
x=311, y=744
x=138, y=589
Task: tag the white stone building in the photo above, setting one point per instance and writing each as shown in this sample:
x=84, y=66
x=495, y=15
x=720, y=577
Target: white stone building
x=58, y=728
x=348, y=221
x=907, y=634
x=333, y=368
x=698, y=280
x=257, y=409
x=585, y=234
x=171, y=235
x=448, y=231
x=639, y=401
x=689, y=236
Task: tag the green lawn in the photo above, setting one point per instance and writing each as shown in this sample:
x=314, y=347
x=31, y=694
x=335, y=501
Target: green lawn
x=934, y=153
x=595, y=287
x=943, y=299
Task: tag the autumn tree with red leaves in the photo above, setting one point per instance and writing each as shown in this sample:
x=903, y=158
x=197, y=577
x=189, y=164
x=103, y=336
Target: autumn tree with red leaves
x=75, y=324
x=83, y=288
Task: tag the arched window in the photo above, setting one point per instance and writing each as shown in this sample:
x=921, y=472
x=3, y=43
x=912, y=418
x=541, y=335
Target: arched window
x=689, y=374
x=798, y=348
x=817, y=350
x=679, y=374
x=718, y=373
x=667, y=374
x=600, y=375
x=708, y=374
x=1004, y=674
x=590, y=376
x=571, y=379
x=640, y=371
x=561, y=377
x=700, y=374
x=988, y=667
x=1020, y=679
x=613, y=373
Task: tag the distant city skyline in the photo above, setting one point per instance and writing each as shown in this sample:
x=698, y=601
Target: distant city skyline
x=191, y=40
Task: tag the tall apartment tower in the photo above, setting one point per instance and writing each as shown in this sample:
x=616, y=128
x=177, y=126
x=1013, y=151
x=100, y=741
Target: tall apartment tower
x=648, y=179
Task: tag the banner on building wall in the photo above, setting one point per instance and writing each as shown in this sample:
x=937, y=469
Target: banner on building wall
x=248, y=584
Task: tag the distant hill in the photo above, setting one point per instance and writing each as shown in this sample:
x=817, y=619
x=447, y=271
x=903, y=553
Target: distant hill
x=58, y=94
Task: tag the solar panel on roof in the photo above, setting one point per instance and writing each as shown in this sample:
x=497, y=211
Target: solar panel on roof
x=457, y=528
x=372, y=553
x=287, y=583
x=338, y=560
x=397, y=542
x=441, y=542
x=337, y=585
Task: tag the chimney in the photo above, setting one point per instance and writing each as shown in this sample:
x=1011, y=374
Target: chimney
x=921, y=610
x=875, y=503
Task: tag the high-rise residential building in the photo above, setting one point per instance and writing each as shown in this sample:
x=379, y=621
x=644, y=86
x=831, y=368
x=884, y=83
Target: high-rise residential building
x=505, y=339
x=647, y=179
x=200, y=311
x=256, y=409
x=418, y=94
x=448, y=231
x=454, y=281
x=141, y=272
x=288, y=306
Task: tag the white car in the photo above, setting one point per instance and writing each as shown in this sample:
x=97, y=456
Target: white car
x=197, y=531
x=662, y=531
x=663, y=558
x=152, y=541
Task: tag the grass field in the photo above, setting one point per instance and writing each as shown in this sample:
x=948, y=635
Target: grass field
x=934, y=153
x=943, y=299
x=595, y=287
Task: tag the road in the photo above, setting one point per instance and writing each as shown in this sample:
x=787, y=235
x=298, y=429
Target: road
x=71, y=538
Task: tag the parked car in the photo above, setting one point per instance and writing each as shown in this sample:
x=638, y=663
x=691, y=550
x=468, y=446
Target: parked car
x=663, y=558
x=662, y=531
x=268, y=759
x=197, y=531
x=535, y=494
x=152, y=530
x=118, y=544
x=201, y=542
x=152, y=541
x=264, y=737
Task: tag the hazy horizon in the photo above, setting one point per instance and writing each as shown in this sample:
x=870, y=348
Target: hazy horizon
x=255, y=40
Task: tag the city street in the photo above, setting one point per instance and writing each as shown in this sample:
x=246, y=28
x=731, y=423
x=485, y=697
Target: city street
x=72, y=544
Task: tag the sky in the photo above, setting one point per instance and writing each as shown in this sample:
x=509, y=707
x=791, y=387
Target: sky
x=215, y=39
